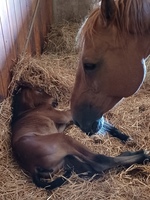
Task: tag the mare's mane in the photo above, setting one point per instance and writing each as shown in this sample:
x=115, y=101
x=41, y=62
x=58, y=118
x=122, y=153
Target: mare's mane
x=132, y=16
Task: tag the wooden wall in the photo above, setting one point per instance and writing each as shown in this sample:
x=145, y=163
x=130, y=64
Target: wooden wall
x=23, y=26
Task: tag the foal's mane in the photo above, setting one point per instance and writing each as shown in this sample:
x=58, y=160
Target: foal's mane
x=132, y=16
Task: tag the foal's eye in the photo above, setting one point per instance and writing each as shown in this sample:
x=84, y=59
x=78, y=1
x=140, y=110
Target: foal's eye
x=39, y=90
x=89, y=66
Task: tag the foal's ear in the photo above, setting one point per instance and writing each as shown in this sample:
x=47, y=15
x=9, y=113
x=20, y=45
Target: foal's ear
x=108, y=10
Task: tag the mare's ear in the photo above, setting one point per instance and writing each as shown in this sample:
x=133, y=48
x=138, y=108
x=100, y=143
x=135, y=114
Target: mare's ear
x=108, y=10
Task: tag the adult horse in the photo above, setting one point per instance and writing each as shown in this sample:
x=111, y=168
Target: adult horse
x=114, y=42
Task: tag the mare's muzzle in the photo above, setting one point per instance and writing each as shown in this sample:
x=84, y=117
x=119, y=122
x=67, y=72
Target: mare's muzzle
x=87, y=118
x=91, y=128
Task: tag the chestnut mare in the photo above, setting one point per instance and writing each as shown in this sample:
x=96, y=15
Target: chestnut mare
x=42, y=148
x=113, y=43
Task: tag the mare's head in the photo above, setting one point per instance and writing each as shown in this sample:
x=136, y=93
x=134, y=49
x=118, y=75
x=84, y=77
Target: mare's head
x=113, y=42
x=27, y=97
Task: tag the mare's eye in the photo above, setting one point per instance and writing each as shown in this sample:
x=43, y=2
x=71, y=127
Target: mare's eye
x=89, y=66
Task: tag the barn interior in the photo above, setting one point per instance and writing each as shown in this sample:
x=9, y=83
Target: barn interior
x=38, y=46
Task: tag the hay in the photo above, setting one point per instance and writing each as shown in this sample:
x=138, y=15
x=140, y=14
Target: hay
x=54, y=71
x=61, y=39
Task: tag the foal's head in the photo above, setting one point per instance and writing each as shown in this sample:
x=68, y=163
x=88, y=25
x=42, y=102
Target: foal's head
x=27, y=97
x=113, y=42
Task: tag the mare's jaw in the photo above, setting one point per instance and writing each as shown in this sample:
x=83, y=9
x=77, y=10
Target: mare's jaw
x=88, y=116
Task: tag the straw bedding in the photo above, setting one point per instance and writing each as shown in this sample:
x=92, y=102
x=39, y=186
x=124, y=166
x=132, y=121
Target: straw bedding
x=55, y=71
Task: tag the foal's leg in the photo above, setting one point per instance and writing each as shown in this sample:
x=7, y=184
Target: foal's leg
x=48, y=153
x=62, y=119
x=36, y=177
x=94, y=163
x=113, y=131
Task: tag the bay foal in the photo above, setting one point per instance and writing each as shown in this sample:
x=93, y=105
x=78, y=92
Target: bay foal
x=42, y=148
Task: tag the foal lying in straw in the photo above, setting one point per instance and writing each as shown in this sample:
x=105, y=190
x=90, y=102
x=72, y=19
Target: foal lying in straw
x=42, y=148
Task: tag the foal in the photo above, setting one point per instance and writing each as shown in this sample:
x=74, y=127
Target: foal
x=42, y=148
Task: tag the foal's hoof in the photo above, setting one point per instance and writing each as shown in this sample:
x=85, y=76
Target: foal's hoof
x=97, y=139
x=130, y=142
x=130, y=153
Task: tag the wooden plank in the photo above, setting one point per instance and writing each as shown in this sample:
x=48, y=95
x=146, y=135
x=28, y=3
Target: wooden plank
x=3, y=63
x=23, y=30
x=49, y=4
x=20, y=31
x=12, y=27
x=6, y=33
x=25, y=10
x=30, y=42
x=43, y=16
x=6, y=43
x=3, y=52
x=41, y=20
x=42, y=23
x=45, y=19
x=37, y=28
x=23, y=26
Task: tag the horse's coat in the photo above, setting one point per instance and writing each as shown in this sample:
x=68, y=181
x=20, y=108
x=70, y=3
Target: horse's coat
x=114, y=43
x=42, y=149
